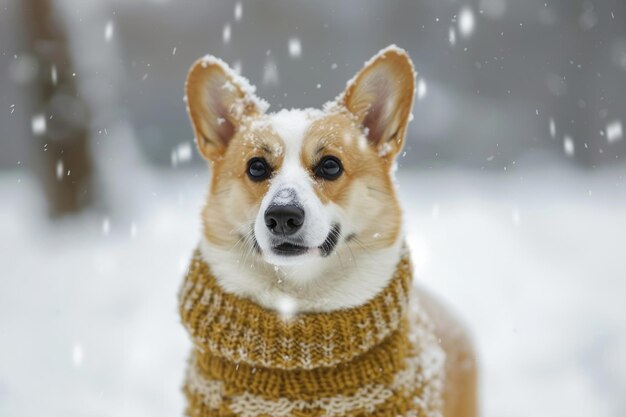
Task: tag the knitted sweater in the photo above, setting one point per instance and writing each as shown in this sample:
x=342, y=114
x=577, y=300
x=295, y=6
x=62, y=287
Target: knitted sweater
x=378, y=359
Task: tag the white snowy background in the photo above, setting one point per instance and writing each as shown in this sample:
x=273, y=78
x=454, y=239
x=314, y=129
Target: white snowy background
x=512, y=185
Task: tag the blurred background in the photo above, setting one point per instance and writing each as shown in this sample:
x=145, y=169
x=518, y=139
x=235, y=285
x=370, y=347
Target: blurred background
x=512, y=184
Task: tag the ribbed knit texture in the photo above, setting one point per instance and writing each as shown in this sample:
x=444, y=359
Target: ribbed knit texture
x=379, y=359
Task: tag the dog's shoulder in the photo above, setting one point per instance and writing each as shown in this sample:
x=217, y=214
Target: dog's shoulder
x=460, y=368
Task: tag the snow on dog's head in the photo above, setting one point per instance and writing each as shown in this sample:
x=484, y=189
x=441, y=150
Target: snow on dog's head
x=297, y=186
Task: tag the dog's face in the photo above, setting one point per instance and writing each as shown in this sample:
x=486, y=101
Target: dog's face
x=298, y=185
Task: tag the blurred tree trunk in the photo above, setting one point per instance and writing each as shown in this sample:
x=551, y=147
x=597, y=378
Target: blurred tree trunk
x=64, y=165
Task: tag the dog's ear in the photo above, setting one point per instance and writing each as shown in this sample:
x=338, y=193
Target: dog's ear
x=380, y=96
x=217, y=101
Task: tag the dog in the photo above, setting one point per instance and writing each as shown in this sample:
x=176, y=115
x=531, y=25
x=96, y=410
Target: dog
x=302, y=224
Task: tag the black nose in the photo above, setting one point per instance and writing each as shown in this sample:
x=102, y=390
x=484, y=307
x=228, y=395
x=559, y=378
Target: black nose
x=284, y=219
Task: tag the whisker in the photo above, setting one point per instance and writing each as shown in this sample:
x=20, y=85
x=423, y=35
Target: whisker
x=250, y=246
x=351, y=253
x=343, y=269
x=378, y=190
x=243, y=257
x=238, y=242
x=361, y=244
x=223, y=190
x=241, y=239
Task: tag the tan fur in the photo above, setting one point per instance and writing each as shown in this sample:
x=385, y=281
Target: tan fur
x=210, y=107
x=234, y=199
x=379, y=101
x=365, y=191
x=461, y=383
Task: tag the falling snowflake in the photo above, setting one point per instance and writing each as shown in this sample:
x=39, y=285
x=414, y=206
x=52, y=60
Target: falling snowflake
x=226, y=33
x=614, y=131
x=287, y=306
x=77, y=354
x=133, y=230
x=452, y=36
x=552, y=128
x=295, y=48
x=270, y=72
x=435, y=211
x=568, y=146
x=106, y=226
x=38, y=124
x=516, y=216
x=108, y=31
x=466, y=22
x=238, y=11
x=184, y=152
x=421, y=89
x=237, y=67
x=59, y=169
x=53, y=75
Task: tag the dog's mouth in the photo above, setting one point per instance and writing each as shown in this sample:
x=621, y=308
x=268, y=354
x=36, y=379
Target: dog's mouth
x=288, y=248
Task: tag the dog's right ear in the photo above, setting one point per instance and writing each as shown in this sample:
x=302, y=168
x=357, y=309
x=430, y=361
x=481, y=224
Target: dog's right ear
x=217, y=101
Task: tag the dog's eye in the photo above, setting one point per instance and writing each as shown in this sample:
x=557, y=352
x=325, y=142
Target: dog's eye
x=329, y=168
x=258, y=169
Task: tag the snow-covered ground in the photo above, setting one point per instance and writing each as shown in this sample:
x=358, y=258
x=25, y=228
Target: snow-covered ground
x=533, y=260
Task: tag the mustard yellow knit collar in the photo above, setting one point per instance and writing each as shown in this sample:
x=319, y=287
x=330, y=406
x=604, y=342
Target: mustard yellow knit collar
x=242, y=332
x=380, y=359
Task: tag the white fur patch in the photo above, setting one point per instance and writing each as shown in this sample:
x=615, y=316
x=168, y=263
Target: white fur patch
x=293, y=185
x=343, y=280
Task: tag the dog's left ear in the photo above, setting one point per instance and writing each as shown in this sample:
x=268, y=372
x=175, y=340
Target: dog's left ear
x=380, y=96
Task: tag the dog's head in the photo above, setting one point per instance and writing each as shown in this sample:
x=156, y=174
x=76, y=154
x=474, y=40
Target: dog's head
x=298, y=185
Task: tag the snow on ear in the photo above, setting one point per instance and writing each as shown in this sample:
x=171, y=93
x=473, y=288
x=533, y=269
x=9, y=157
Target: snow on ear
x=217, y=101
x=380, y=96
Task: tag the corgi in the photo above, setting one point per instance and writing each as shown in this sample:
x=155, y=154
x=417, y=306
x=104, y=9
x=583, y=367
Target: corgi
x=302, y=216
